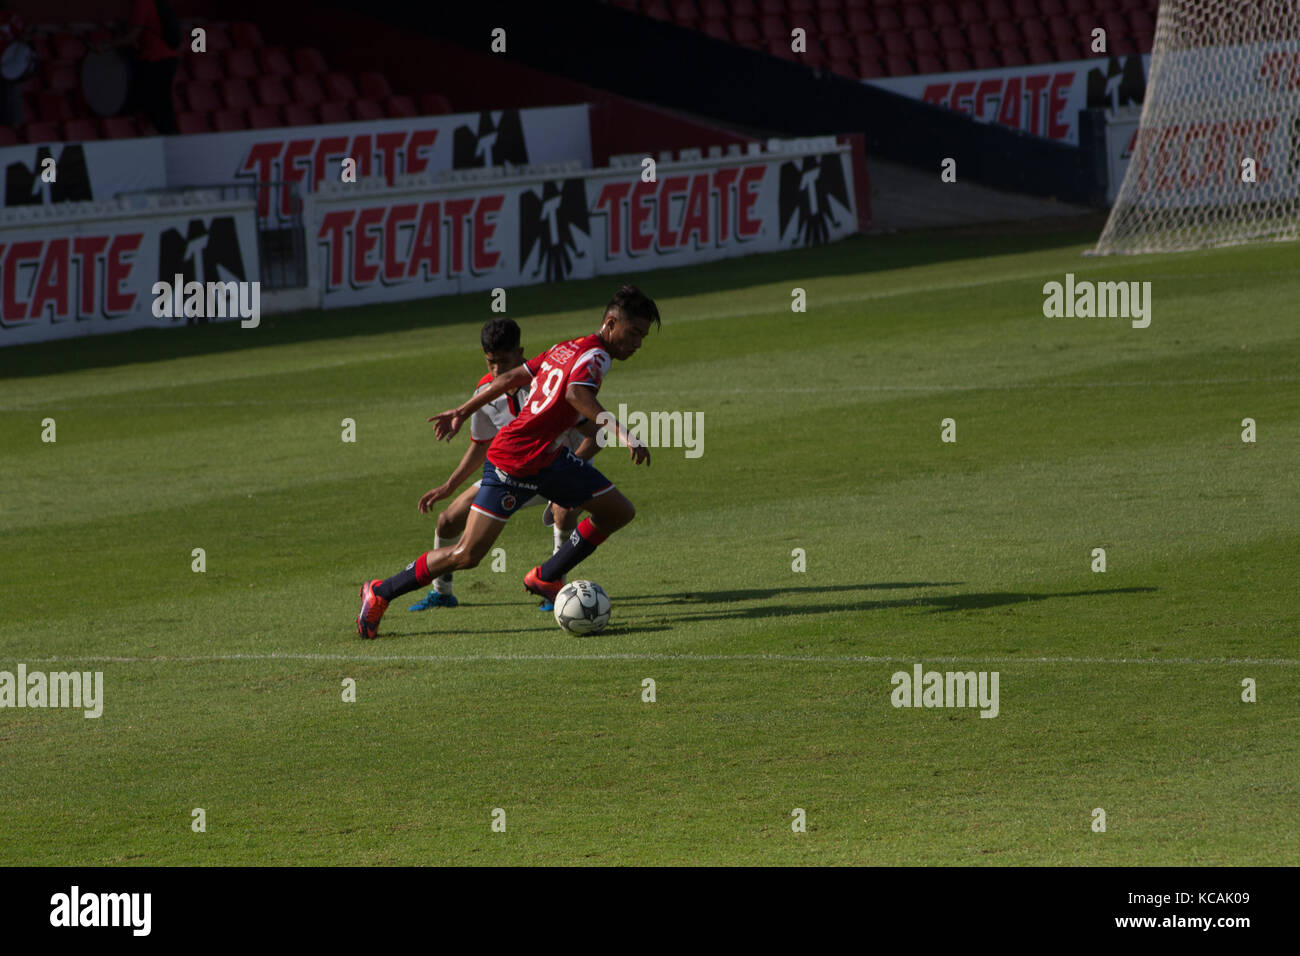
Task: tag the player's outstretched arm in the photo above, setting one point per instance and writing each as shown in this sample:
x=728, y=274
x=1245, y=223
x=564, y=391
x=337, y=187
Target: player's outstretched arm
x=583, y=398
x=470, y=462
x=446, y=424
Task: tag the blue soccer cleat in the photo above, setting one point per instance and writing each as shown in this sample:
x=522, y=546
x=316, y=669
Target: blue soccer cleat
x=433, y=600
x=546, y=606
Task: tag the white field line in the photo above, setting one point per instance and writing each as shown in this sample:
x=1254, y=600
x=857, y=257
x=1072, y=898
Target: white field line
x=342, y=406
x=653, y=657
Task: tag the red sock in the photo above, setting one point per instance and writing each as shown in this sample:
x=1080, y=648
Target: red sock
x=591, y=532
x=422, y=575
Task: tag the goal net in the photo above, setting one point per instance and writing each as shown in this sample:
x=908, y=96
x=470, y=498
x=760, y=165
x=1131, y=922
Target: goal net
x=1217, y=155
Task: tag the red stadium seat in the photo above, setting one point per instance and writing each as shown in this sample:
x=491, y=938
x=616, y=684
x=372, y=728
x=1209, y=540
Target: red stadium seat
x=685, y=12
x=401, y=107
x=1121, y=46
x=914, y=17
x=1005, y=34
x=1061, y=30
x=306, y=91
x=236, y=95
x=970, y=12
x=1052, y=8
x=831, y=24
x=80, y=130
x=713, y=9
x=1140, y=23
x=368, y=110
x=744, y=8
x=8, y=137
x=888, y=19
x=840, y=48
x=271, y=91
x=118, y=127
x=955, y=60
x=309, y=60
x=859, y=21
x=800, y=6
x=216, y=37
x=1011, y=56
x=69, y=46
x=296, y=114
x=845, y=68
x=434, y=104
x=201, y=97
x=1023, y=10
x=338, y=87
x=897, y=43
x=374, y=86
x=335, y=113
x=52, y=107
x=1076, y=7
x=983, y=59
x=980, y=36
x=745, y=32
x=205, y=67
x=1065, y=52
x=928, y=63
x=43, y=133
x=870, y=67
x=241, y=64
x=951, y=38
x=1039, y=53
x=772, y=6
x=997, y=10
x=898, y=66
x=1115, y=24
x=274, y=61
x=716, y=29
x=64, y=77
x=1035, y=31
x=805, y=22
x=193, y=123
x=228, y=121
x=923, y=41
x=245, y=34
x=773, y=28
x=868, y=45
x=265, y=117
x=941, y=14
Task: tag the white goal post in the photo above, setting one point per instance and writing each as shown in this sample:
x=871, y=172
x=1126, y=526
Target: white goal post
x=1217, y=156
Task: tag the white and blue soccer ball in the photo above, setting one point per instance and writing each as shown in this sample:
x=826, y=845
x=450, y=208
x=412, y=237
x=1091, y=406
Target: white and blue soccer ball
x=582, y=607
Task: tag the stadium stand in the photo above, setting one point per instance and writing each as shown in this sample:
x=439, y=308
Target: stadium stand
x=865, y=39
x=241, y=82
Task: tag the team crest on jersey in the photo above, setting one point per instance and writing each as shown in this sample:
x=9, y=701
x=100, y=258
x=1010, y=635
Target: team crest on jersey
x=507, y=502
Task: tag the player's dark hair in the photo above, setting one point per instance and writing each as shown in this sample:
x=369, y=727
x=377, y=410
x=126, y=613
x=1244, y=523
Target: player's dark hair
x=500, y=335
x=633, y=303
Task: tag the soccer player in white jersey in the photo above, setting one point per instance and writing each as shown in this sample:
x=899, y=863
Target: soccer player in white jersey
x=502, y=352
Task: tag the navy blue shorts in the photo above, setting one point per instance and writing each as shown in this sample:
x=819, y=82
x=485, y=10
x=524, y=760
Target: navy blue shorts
x=568, y=481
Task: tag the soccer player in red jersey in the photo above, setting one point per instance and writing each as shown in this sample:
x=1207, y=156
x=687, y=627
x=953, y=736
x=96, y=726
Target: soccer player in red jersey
x=502, y=353
x=527, y=458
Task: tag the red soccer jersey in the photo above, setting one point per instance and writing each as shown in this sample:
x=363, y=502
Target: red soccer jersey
x=532, y=441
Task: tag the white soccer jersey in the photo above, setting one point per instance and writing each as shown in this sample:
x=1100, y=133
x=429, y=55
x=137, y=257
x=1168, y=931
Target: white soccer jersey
x=492, y=417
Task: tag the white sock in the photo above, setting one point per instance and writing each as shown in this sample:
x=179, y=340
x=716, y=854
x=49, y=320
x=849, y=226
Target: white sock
x=442, y=585
x=560, y=537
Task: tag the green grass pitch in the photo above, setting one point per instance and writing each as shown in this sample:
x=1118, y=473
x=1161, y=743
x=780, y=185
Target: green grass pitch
x=1119, y=690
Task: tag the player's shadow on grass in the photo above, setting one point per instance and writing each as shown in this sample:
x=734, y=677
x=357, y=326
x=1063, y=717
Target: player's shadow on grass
x=938, y=604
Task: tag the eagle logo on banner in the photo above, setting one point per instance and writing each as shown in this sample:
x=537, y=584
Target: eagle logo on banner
x=807, y=185
x=547, y=223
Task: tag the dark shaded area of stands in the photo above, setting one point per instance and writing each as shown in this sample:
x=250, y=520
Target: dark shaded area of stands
x=678, y=68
